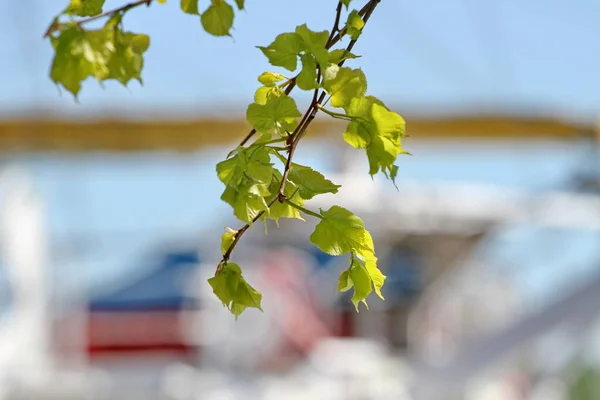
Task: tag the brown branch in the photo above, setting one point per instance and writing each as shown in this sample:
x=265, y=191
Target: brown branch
x=56, y=25
x=295, y=137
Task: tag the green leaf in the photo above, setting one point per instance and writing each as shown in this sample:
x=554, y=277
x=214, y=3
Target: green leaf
x=190, y=6
x=227, y=239
x=218, y=18
x=346, y=3
x=270, y=78
x=340, y=231
x=283, y=210
x=85, y=8
x=378, y=130
x=284, y=50
x=277, y=115
x=362, y=284
x=246, y=199
x=354, y=25
x=344, y=85
x=234, y=292
x=344, y=282
x=310, y=182
x=265, y=94
x=240, y=4
x=106, y=53
x=314, y=43
x=363, y=275
x=307, y=78
x=376, y=276
x=247, y=176
x=253, y=162
x=338, y=55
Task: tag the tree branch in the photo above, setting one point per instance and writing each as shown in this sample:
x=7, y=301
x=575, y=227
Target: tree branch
x=56, y=25
x=294, y=139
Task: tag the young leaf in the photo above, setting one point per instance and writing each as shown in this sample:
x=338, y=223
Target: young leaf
x=240, y=4
x=378, y=130
x=284, y=50
x=227, y=239
x=314, y=43
x=311, y=182
x=106, y=53
x=346, y=3
x=246, y=199
x=354, y=25
x=270, y=78
x=218, y=18
x=345, y=85
x=279, y=115
x=189, y=6
x=344, y=281
x=85, y=8
x=283, y=210
x=253, y=162
x=234, y=292
x=338, y=55
x=362, y=284
x=265, y=94
x=307, y=78
x=376, y=276
x=340, y=231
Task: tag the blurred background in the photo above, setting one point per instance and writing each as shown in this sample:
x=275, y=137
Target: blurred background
x=110, y=218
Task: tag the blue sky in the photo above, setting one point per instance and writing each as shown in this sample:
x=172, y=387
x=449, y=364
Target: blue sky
x=421, y=56
x=448, y=54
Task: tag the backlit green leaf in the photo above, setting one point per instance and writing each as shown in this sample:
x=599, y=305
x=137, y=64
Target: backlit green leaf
x=85, y=8
x=307, y=78
x=277, y=115
x=378, y=130
x=338, y=55
x=346, y=3
x=354, y=25
x=106, y=53
x=270, y=78
x=284, y=50
x=345, y=85
x=310, y=182
x=344, y=281
x=283, y=210
x=232, y=289
x=266, y=93
x=227, y=239
x=340, y=231
x=240, y=4
x=314, y=43
x=189, y=6
x=362, y=284
x=218, y=18
x=246, y=199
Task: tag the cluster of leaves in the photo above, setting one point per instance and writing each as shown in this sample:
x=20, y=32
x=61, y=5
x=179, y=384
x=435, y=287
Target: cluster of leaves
x=110, y=52
x=255, y=188
x=253, y=185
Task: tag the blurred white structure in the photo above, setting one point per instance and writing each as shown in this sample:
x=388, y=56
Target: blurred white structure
x=28, y=367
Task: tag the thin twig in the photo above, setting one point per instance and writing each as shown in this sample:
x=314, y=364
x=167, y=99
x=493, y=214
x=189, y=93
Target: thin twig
x=308, y=117
x=56, y=25
x=304, y=210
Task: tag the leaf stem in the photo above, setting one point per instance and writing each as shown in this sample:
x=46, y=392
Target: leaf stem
x=334, y=114
x=304, y=210
x=57, y=25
